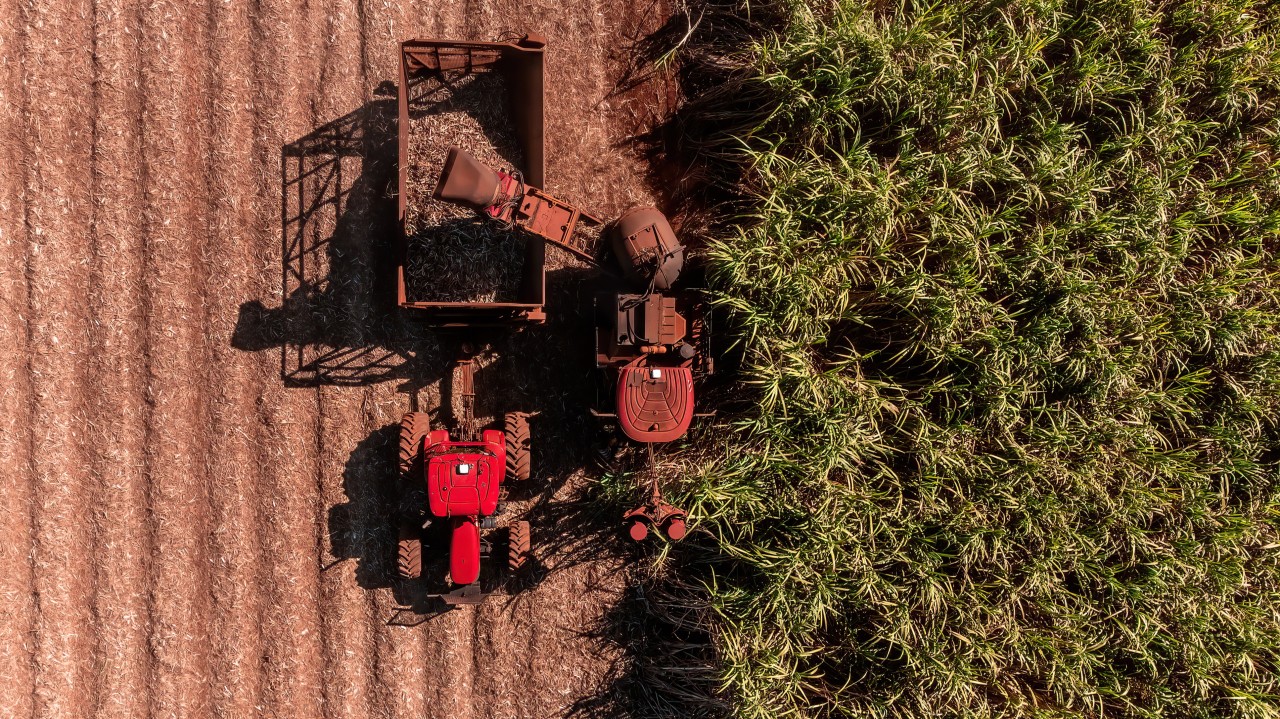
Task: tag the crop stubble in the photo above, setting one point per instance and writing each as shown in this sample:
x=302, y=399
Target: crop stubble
x=17, y=671
x=58, y=146
x=235, y=497
x=117, y=384
x=169, y=496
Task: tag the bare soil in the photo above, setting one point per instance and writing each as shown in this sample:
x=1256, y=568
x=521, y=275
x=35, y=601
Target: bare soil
x=201, y=369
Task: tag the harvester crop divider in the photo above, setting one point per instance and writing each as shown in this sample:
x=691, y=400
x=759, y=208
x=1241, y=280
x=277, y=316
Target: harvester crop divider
x=656, y=513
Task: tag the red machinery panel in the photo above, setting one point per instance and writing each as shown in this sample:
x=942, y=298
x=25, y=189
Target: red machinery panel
x=464, y=551
x=464, y=478
x=655, y=404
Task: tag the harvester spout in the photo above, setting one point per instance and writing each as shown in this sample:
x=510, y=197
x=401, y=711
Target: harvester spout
x=466, y=181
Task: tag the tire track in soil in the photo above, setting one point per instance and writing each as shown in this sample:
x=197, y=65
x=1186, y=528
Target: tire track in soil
x=17, y=606
x=122, y=538
x=174, y=50
x=289, y=515
x=59, y=146
x=235, y=471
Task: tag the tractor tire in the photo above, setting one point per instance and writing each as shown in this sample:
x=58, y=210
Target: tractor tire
x=413, y=427
x=409, y=561
x=517, y=545
x=516, y=428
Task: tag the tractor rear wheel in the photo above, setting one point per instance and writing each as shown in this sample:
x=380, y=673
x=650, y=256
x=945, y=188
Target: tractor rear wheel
x=413, y=427
x=409, y=561
x=516, y=428
x=517, y=545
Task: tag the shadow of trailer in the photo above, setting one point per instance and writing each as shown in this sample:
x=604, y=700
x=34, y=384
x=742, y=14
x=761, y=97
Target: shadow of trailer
x=521, y=63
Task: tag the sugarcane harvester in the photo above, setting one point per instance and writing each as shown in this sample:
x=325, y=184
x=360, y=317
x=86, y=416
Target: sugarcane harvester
x=651, y=334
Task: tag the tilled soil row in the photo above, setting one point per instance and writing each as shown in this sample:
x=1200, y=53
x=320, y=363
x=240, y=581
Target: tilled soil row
x=235, y=209
x=59, y=147
x=122, y=547
x=17, y=627
x=184, y=530
x=176, y=132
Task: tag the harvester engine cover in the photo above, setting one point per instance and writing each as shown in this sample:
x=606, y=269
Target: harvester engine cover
x=649, y=321
x=645, y=244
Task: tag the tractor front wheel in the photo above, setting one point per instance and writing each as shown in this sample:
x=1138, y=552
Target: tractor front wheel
x=413, y=427
x=517, y=545
x=516, y=428
x=409, y=561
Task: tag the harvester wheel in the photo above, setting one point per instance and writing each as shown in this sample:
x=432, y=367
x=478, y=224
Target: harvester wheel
x=413, y=427
x=409, y=561
x=517, y=545
x=516, y=428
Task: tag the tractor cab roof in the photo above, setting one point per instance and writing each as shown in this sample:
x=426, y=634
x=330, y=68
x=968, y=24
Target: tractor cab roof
x=464, y=478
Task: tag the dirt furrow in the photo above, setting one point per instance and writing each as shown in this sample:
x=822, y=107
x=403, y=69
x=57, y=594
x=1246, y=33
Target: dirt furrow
x=338, y=102
x=348, y=619
x=289, y=515
x=449, y=647
x=117, y=373
x=415, y=679
x=384, y=24
x=57, y=217
x=17, y=605
x=236, y=384
x=173, y=50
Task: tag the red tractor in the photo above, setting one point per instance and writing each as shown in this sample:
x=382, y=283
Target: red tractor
x=651, y=336
x=463, y=479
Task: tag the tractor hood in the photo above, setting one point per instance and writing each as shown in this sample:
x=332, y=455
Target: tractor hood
x=464, y=551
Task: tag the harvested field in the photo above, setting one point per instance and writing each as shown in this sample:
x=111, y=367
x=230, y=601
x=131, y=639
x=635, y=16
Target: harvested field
x=200, y=371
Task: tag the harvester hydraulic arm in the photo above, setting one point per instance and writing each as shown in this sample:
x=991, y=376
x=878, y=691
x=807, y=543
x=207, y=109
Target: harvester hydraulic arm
x=505, y=197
